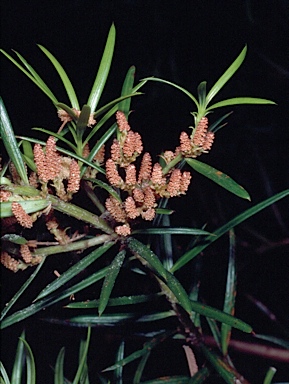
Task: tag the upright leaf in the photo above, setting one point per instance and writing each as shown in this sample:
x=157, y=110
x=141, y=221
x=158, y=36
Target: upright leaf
x=11, y=144
x=103, y=70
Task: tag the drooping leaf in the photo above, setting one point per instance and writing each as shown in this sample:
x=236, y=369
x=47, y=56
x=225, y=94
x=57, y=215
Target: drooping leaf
x=219, y=178
x=11, y=144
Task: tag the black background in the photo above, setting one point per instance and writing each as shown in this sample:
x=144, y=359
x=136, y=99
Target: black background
x=185, y=42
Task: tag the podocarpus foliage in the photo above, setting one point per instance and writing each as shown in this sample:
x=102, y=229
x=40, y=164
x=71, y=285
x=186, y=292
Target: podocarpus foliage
x=95, y=154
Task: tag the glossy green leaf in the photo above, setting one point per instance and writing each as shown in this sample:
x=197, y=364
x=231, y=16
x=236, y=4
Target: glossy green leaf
x=229, y=375
x=29, y=206
x=124, y=105
x=52, y=299
x=11, y=144
x=239, y=101
x=202, y=93
x=103, y=70
x=219, y=178
x=109, y=281
x=18, y=362
x=44, y=89
x=140, y=368
x=227, y=75
x=269, y=375
x=107, y=187
x=42, y=85
x=83, y=358
x=172, y=283
x=114, y=104
x=27, y=150
x=136, y=355
x=59, y=367
x=57, y=136
x=4, y=374
x=118, y=373
x=115, y=301
x=30, y=363
x=188, y=256
x=230, y=293
x=24, y=286
x=171, y=231
x=175, y=86
x=65, y=80
x=82, y=121
x=74, y=270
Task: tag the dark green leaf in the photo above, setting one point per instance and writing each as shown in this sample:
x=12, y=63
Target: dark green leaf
x=59, y=367
x=30, y=363
x=109, y=281
x=83, y=358
x=124, y=105
x=82, y=121
x=171, y=231
x=18, y=362
x=219, y=178
x=11, y=144
x=188, y=256
x=4, y=374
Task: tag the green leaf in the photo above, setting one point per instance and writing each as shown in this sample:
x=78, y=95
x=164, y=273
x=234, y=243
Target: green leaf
x=109, y=281
x=140, y=367
x=11, y=144
x=269, y=375
x=52, y=299
x=107, y=187
x=171, y=231
x=30, y=363
x=18, y=362
x=43, y=88
x=29, y=206
x=229, y=375
x=219, y=178
x=239, y=101
x=58, y=136
x=227, y=75
x=202, y=92
x=42, y=85
x=4, y=374
x=103, y=70
x=82, y=121
x=13, y=238
x=65, y=80
x=114, y=104
x=135, y=355
x=230, y=294
x=172, y=283
x=119, y=371
x=188, y=256
x=115, y=301
x=124, y=105
x=83, y=358
x=59, y=367
x=74, y=270
x=175, y=86
x=21, y=290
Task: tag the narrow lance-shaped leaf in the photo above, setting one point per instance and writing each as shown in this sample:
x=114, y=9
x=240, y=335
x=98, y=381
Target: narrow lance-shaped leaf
x=230, y=293
x=83, y=358
x=219, y=178
x=124, y=105
x=103, y=70
x=188, y=256
x=65, y=79
x=30, y=363
x=11, y=144
x=119, y=356
x=4, y=375
x=82, y=122
x=239, y=101
x=59, y=367
x=227, y=75
x=109, y=281
x=19, y=361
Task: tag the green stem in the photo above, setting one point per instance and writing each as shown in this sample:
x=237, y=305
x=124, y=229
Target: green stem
x=90, y=193
x=76, y=246
x=80, y=213
x=172, y=163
